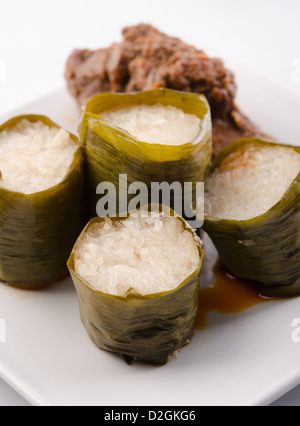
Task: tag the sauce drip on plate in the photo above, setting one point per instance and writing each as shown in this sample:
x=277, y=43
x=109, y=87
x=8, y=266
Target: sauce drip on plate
x=228, y=295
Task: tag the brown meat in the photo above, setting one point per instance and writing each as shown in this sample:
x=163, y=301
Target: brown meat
x=235, y=126
x=147, y=59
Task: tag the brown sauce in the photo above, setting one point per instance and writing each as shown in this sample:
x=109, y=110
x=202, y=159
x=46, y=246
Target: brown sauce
x=228, y=295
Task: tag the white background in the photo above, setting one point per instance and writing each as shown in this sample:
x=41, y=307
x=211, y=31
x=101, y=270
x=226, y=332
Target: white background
x=37, y=36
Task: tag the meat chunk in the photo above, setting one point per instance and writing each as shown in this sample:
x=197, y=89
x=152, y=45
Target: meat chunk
x=86, y=74
x=146, y=59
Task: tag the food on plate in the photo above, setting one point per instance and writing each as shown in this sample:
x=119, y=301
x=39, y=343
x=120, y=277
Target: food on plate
x=41, y=200
x=160, y=135
x=252, y=206
x=147, y=59
x=137, y=282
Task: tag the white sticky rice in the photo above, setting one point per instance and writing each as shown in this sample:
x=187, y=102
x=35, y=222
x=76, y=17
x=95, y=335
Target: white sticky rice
x=156, y=124
x=34, y=157
x=144, y=254
x=250, y=181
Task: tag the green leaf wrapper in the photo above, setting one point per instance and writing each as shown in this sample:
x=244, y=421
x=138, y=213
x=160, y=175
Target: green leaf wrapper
x=109, y=151
x=38, y=231
x=273, y=257
x=147, y=328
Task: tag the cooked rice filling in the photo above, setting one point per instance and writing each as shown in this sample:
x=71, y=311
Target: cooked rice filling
x=250, y=181
x=34, y=156
x=156, y=124
x=144, y=254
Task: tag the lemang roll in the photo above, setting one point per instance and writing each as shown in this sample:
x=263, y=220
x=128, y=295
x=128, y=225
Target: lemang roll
x=41, y=212
x=164, y=151
x=137, y=282
x=252, y=213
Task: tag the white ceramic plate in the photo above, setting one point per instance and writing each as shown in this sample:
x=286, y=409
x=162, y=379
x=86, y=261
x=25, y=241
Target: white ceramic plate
x=244, y=359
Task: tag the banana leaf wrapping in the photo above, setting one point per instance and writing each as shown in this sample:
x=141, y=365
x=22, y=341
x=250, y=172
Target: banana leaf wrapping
x=266, y=248
x=38, y=231
x=142, y=327
x=111, y=152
